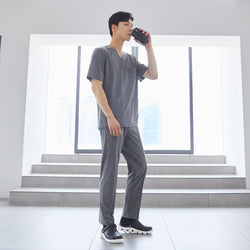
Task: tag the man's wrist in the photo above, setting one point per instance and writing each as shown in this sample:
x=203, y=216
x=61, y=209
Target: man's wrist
x=149, y=48
x=110, y=116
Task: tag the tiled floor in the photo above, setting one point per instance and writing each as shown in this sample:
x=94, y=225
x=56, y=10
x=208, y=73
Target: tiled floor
x=77, y=228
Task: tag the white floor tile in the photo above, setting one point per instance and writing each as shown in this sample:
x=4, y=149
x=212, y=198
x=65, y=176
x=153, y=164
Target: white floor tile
x=209, y=239
x=53, y=239
x=69, y=219
x=75, y=228
x=193, y=220
x=24, y=221
x=9, y=235
x=24, y=210
x=238, y=218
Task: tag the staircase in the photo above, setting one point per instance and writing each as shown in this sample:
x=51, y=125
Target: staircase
x=171, y=181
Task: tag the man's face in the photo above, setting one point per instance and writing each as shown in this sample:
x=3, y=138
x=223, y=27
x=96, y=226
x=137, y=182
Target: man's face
x=124, y=30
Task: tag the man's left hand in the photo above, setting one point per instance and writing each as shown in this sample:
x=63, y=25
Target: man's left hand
x=147, y=34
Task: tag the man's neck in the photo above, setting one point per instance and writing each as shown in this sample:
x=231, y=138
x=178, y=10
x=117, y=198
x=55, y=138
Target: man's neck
x=117, y=44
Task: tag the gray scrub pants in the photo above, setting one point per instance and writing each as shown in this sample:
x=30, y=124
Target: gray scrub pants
x=130, y=145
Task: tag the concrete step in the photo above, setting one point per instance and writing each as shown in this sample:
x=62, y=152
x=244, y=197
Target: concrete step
x=151, y=181
x=151, y=158
x=153, y=168
x=150, y=197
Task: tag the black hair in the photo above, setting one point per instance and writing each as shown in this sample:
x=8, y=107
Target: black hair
x=117, y=17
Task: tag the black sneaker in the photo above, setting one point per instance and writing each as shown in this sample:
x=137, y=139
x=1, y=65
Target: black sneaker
x=133, y=226
x=111, y=235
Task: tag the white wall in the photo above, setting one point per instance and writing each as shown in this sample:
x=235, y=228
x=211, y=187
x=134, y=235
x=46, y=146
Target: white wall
x=233, y=130
x=19, y=19
x=35, y=112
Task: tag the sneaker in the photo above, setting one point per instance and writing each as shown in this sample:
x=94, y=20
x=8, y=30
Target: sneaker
x=111, y=235
x=133, y=226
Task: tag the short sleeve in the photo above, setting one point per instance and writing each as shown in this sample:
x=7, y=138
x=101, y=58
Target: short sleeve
x=97, y=65
x=140, y=70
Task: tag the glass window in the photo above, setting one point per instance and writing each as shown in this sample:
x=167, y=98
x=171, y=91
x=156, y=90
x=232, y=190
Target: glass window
x=61, y=99
x=164, y=118
x=207, y=89
x=164, y=113
x=164, y=104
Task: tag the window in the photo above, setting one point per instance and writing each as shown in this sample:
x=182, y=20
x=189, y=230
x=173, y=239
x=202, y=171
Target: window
x=166, y=105
x=61, y=99
x=207, y=97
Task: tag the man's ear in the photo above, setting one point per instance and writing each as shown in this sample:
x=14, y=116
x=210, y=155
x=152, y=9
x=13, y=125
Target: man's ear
x=114, y=28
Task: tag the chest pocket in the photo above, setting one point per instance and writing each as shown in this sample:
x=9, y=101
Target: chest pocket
x=129, y=78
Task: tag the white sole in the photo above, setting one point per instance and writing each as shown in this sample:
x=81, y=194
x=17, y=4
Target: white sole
x=132, y=230
x=118, y=241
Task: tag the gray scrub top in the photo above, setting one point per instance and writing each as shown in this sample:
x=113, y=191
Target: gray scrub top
x=119, y=77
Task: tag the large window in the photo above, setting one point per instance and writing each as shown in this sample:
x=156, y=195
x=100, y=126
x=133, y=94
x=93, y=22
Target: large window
x=179, y=112
x=164, y=104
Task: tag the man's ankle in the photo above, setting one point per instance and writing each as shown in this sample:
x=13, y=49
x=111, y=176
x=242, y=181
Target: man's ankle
x=126, y=221
x=105, y=226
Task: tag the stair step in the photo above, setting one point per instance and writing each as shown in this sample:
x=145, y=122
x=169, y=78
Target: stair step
x=151, y=181
x=171, y=181
x=151, y=158
x=153, y=168
x=150, y=197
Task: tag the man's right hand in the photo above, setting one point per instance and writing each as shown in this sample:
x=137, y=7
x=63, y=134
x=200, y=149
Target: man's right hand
x=114, y=126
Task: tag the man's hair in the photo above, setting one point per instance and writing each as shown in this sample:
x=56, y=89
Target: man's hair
x=119, y=16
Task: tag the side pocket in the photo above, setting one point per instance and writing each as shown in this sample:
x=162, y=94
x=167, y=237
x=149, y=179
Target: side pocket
x=136, y=111
x=115, y=105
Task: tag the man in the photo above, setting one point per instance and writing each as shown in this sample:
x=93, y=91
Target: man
x=114, y=75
